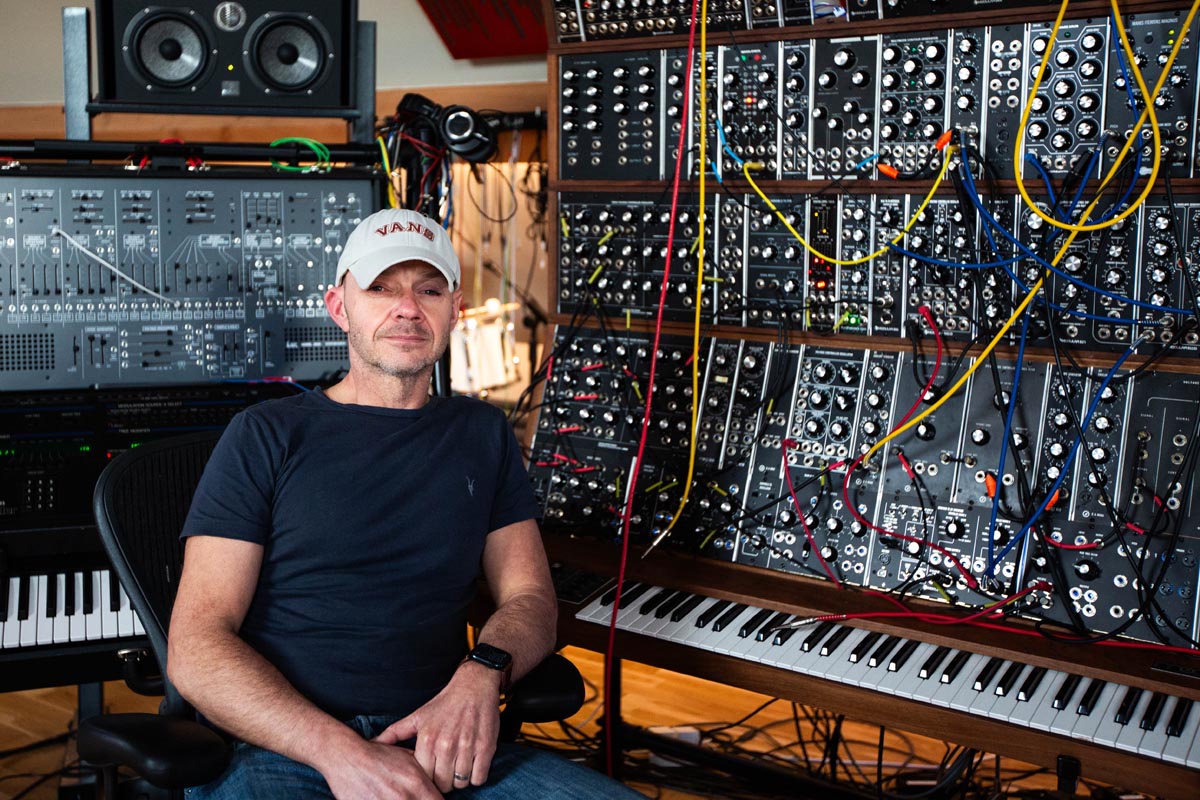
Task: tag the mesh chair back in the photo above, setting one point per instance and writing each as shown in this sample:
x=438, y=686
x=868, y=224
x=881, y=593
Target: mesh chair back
x=140, y=503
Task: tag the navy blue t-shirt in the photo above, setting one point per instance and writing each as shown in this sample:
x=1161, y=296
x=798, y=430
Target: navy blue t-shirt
x=373, y=522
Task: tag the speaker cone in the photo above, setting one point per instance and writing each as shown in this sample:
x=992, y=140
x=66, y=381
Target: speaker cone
x=288, y=54
x=169, y=50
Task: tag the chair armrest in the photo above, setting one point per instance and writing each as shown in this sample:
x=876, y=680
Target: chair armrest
x=169, y=752
x=552, y=690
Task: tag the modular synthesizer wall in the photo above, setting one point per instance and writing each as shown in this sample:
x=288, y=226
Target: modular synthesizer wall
x=866, y=261
x=116, y=278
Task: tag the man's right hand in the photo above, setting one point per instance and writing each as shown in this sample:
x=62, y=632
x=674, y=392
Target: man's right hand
x=374, y=771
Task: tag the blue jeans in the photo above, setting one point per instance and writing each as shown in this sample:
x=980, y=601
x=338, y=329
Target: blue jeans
x=516, y=772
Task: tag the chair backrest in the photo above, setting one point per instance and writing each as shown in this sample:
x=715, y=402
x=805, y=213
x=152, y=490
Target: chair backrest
x=140, y=503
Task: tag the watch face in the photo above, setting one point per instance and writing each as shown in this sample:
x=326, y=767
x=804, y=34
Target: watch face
x=491, y=656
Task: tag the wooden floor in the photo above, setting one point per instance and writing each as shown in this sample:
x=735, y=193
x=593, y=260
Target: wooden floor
x=651, y=697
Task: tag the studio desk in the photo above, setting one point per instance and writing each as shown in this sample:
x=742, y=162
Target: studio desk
x=1131, y=717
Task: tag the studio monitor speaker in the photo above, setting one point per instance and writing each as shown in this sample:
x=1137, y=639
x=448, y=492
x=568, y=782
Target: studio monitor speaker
x=253, y=57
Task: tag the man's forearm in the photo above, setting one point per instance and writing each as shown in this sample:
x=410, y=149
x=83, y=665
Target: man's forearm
x=525, y=626
x=241, y=692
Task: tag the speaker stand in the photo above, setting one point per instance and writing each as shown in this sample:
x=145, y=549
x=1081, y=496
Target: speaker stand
x=77, y=73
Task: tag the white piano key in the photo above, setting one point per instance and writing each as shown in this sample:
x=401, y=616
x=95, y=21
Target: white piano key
x=1042, y=698
x=108, y=617
x=1086, y=726
x=676, y=631
x=12, y=627
x=1131, y=734
x=899, y=682
x=963, y=684
x=932, y=687
x=45, y=625
x=1154, y=742
x=1004, y=706
x=1177, y=747
x=138, y=628
x=92, y=621
x=837, y=665
x=60, y=620
x=1045, y=713
x=77, y=625
x=729, y=641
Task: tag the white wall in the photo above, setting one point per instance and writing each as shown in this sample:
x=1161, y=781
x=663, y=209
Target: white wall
x=409, y=51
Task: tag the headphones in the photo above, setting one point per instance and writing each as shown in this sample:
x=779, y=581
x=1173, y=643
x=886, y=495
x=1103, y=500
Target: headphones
x=466, y=133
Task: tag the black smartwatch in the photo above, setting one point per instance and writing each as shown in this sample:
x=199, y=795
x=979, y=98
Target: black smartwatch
x=494, y=658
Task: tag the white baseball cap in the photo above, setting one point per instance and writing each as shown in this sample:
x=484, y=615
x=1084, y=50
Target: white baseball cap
x=394, y=235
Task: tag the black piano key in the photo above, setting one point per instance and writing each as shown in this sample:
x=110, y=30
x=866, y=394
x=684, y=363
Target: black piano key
x=1087, y=703
x=988, y=674
x=50, y=601
x=1009, y=679
x=881, y=653
x=1128, y=703
x=859, y=653
x=835, y=641
x=1031, y=684
x=768, y=630
x=1179, y=717
x=933, y=662
x=630, y=594
x=687, y=607
x=814, y=638
x=670, y=604
x=754, y=623
x=1153, y=711
x=114, y=596
x=902, y=655
x=23, y=590
x=656, y=599
x=782, y=636
x=70, y=600
x=721, y=622
x=89, y=589
x=1066, y=692
x=955, y=666
x=712, y=612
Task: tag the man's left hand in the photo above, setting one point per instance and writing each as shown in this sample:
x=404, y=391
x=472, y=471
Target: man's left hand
x=456, y=731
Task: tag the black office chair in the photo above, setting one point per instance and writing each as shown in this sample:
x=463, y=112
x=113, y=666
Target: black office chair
x=140, y=503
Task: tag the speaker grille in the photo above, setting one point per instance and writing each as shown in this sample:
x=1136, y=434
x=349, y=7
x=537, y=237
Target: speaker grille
x=289, y=53
x=168, y=49
x=21, y=352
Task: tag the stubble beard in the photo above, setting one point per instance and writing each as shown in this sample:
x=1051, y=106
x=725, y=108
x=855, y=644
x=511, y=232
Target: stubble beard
x=365, y=347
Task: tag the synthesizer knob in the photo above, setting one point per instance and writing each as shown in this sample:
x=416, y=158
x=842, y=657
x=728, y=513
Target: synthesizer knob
x=844, y=58
x=645, y=106
x=874, y=400
x=1114, y=277
x=794, y=59
x=814, y=427
x=593, y=124
x=1090, y=69
x=860, y=77
x=570, y=92
x=645, y=71
x=1063, y=115
x=934, y=51
x=593, y=91
x=570, y=75
x=955, y=529
x=925, y=431
x=645, y=89
x=1057, y=449
x=910, y=118
x=621, y=108
x=1091, y=42
x=835, y=124
x=1061, y=420
x=827, y=80
x=731, y=79
x=768, y=253
x=890, y=80
x=620, y=90
x=1178, y=79
x=870, y=427
x=620, y=73
x=1037, y=131
x=1097, y=478
x=967, y=45
x=1087, y=570
x=889, y=105
x=592, y=74
x=569, y=125
x=794, y=120
x=849, y=107
x=592, y=109
x=931, y=130
x=838, y=429
x=879, y=372
x=965, y=102
x=822, y=372
x=569, y=110
x=794, y=83
x=966, y=74
x=932, y=104
x=786, y=517
x=1061, y=141
x=765, y=77
x=833, y=525
x=1064, y=88
x=1088, y=101
x=891, y=54
x=817, y=399
x=1066, y=58
x=1086, y=129
x=933, y=79
x=849, y=374
x=750, y=363
x=911, y=66
x=980, y=436
x=1158, y=274
x=1103, y=424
